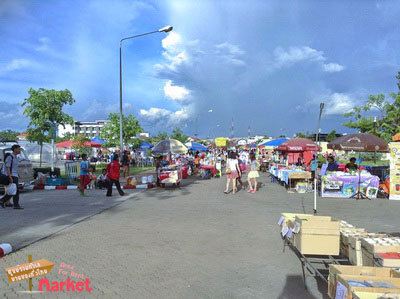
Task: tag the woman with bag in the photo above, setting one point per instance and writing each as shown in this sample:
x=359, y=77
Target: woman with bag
x=232, y=172
x=9, y=176
x=253, y=173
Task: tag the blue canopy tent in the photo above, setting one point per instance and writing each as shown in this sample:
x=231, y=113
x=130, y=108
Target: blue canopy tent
x=253, y=145
x=196, y=146
x=274, y=143
x=145, y=145
x=98, y=140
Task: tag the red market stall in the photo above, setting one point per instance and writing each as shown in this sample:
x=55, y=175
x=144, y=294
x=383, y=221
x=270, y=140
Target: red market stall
x=297, y=146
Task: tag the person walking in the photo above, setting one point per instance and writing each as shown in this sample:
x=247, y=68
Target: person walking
x=232, y=172
x=113, y=170
x=10, y=170
x=125, y=164
x=84, y=178
x=253, y=173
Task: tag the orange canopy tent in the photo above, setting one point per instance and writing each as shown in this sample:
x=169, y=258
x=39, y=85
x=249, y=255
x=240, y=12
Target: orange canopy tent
x=396, y=137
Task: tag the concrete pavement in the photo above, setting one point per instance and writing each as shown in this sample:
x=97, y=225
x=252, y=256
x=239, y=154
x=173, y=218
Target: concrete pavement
x=194, y=242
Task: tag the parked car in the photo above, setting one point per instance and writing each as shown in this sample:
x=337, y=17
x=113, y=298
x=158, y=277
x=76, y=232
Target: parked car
x=25, y=165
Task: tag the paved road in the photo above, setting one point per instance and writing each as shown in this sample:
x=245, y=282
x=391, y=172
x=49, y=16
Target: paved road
x=194, y=242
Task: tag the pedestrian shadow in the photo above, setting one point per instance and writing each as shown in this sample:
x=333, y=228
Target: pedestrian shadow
x=294, y=288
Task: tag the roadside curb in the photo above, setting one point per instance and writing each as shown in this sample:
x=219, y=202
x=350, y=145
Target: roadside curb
x=74, y=187
x=5, y=249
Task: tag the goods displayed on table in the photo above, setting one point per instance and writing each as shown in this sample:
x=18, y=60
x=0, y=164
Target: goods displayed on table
x=375, y=258
x=294, y=175
x=345, y=185
x=394, y=171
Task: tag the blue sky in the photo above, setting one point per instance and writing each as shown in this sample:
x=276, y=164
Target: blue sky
x=266, y=64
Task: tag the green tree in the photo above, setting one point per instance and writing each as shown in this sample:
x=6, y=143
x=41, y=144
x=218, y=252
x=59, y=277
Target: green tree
x=79, y=144
x=159, y=137
x=331, y=136
x=130, y=128
x=8, y=135
x=177, y=134
x=398, y=82
x=388, y=121
x=301, y=135
x=44, y=108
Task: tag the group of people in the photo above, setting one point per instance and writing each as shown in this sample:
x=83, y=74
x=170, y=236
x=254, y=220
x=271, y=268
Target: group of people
x=334, y=166
x=107, y=179
x=236, y=164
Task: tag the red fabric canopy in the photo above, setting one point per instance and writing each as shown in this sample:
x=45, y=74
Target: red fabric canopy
x=68, y=143
x=297, y=145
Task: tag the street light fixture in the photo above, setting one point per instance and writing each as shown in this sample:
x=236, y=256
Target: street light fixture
x=164, y=29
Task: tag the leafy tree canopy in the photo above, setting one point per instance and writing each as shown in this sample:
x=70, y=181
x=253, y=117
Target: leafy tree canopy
x=79, y=144
x=177, y=134
x=130, y=128
x=331, y=136
x=388, y=121
x=8, y=135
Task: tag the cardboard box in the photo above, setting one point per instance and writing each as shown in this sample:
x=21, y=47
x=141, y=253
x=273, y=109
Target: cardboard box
x=367, y=295
x=335, y=270
x=355, y=257
x=389, y=259
x=346, y=233
x=285, y=217
x=367, y=258
x=343, y=288
x=355, y=240
x=318, y=236
x=381, y=245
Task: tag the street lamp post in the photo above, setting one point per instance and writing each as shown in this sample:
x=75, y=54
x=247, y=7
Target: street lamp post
x=375, y=134
x=165, y=29
x=321, y=107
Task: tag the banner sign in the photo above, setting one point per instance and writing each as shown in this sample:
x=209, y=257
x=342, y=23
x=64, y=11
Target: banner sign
x=394, y=170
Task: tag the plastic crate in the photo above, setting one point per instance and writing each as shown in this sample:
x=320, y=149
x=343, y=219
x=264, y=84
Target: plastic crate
x=55, y=182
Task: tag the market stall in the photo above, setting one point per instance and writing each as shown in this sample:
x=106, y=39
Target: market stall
x=169, y=173
x=359, y=184
x=344, y=185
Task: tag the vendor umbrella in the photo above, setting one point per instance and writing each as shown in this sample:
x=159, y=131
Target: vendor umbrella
x=298, y=145
x=359, y=142
x=169, y=146
x=196, y=146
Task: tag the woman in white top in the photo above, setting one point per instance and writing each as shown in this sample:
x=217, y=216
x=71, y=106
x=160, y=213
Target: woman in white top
x=232, y=172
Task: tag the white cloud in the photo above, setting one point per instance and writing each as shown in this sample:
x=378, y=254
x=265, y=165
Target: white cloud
x=299, y=54
x=44, y=43
x=332, y=67
x=164, y=117
x=16, y=64
x=340, y=103
x=175, y=92
x=230, y=54
x=172, y=43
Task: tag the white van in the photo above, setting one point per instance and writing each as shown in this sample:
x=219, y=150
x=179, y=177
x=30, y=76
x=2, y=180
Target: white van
x=25, y=165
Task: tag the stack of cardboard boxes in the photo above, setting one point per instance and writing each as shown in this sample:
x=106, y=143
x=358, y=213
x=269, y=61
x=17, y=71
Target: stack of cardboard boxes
x=310, y=234
x=372, y=248
x=343, y=281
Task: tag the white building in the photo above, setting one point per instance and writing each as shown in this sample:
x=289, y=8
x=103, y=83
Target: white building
x=88, y=129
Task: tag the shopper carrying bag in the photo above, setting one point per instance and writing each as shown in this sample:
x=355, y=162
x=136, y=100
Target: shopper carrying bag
x=9, y=175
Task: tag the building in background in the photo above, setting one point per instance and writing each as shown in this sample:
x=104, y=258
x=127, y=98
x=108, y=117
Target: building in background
x=89, y=129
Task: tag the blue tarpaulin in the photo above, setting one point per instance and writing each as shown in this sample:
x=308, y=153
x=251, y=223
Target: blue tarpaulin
x=196, y=146
x=146, y=145
x=98, y=140
x=275, y=142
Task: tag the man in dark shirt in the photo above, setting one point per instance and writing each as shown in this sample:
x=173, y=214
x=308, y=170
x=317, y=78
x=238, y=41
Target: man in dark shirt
x=332, y=165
